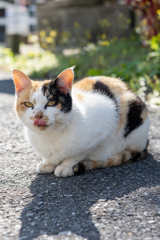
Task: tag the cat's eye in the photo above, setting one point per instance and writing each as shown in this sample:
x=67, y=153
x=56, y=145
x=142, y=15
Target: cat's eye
x=51, y=103
x=28, y=104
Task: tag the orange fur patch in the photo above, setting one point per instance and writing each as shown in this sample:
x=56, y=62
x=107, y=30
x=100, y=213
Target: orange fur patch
x=144, y=114
x=35, y=85
x=25, y=95
x=51, y=96
x=86, y=84
x=79, y=96
x=130, y=149
x=32, y=118
x=94, y=164
x=124, y=108
x=59, y=106
x=118, y=159
x=34, y=101
x=115, y=85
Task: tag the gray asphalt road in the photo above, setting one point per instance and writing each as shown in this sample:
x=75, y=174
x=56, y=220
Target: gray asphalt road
x=116, y=203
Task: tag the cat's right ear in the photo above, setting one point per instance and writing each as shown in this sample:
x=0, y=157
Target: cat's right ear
x=21, y=81
x=65, y=79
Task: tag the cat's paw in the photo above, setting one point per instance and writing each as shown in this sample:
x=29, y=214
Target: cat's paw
x=45, y=167
x=62, y=171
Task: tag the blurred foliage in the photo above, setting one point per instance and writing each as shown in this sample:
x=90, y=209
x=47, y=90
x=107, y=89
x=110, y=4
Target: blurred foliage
x=150, y=10
x=39, y=62
x=123, y=58
x=154, y=56
x=155, y=43
x=51, y=39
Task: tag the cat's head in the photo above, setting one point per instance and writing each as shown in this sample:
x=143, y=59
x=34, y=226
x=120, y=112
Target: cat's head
x=43, y=105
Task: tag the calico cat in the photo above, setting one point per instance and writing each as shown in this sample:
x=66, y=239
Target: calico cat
x=97, y=123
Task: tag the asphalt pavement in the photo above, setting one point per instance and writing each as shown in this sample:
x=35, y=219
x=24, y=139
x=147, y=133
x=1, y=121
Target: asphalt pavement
x=116, y=203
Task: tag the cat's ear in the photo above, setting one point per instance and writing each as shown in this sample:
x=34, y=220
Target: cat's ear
x=65, y=79
x=21, y=81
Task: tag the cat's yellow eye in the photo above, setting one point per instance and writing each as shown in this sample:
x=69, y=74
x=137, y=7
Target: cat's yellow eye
x=28, y=104
x=51, y=103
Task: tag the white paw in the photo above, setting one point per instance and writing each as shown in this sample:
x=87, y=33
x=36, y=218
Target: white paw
x=45, y=167
x=62, y=171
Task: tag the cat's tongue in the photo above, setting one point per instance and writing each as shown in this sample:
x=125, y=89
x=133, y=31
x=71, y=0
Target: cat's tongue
x=39, y=122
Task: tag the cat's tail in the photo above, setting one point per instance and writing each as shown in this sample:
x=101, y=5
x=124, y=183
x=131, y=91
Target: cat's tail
x=119, y=159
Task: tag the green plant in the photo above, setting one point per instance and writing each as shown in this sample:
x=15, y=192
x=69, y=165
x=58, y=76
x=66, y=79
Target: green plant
x=122, y=58
x=155, y=43
x=36, y=63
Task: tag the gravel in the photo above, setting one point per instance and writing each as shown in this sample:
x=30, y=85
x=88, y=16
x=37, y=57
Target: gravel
x=115, y=203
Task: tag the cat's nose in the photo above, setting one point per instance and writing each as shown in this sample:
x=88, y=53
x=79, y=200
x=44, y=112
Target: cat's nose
x=39, y=115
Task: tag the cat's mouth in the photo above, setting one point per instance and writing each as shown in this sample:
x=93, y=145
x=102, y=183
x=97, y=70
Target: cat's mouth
x=40, y=127
x=41, y=124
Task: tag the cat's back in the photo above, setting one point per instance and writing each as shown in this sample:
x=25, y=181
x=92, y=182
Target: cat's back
x=132, y=110
x=105, y=85
x=95, y=94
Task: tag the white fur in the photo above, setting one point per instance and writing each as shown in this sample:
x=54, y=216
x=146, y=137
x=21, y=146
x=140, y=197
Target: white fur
x=89, y=131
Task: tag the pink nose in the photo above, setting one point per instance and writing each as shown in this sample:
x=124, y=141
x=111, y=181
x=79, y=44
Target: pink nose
x=39, y=115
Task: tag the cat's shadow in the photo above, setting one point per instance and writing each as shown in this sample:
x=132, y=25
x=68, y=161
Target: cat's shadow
x=64, y=204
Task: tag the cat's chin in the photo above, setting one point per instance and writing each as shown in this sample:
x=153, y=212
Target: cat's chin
x=42, y=127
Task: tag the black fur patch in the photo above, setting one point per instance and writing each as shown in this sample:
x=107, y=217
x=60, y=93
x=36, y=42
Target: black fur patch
x=134, y=119
x=104, y=89
x=135, y=156
x=79, y=169
x=53, y=93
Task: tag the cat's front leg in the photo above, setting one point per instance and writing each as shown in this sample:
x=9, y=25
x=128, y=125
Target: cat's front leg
x=65, y=169
x=45, y=167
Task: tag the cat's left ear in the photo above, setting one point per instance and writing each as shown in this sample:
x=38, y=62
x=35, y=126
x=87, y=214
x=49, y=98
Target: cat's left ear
x=65, y=80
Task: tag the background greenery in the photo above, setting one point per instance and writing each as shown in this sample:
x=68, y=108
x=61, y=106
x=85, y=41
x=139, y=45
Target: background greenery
x=123, y=58
x=136, y=60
